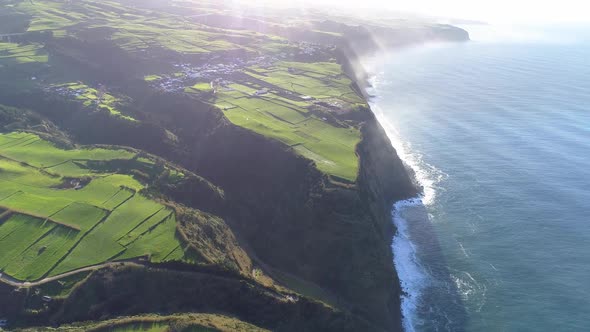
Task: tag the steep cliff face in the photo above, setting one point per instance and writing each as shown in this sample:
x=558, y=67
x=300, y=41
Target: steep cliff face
x=296, y=221
x=383, y=179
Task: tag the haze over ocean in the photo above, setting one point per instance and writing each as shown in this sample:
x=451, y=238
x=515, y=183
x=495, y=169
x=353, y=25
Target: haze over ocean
x=499, y=134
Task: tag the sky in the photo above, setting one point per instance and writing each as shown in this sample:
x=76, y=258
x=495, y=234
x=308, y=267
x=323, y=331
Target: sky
x=492, y=11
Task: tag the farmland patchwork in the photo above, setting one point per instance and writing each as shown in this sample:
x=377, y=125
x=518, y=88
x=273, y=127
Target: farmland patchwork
x=63, y=209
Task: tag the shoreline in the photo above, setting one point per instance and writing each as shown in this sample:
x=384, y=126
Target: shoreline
x=412, y=277
x=409, y=272
x=398, y=241
x=419, y=263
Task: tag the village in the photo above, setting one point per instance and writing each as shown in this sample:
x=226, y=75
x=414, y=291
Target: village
x=220, y=73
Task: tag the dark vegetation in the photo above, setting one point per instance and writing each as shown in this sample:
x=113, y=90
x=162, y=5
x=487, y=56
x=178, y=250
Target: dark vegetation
x=130, y=291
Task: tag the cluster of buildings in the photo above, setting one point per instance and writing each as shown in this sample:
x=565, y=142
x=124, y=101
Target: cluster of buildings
x=218, y=73
x=190, y=73
x=308, y=48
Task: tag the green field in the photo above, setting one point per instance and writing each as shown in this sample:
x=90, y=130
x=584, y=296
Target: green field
x=92, y=98
x=283, y=114
x=12, y=53
x=136, y=30
x=62, y=219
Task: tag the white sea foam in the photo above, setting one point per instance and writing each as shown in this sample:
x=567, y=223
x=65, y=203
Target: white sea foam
x=470, y=290
x=412, y=275
x=426, y=175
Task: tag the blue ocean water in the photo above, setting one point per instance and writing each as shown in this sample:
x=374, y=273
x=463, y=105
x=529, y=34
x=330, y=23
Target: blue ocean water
x=499, y=135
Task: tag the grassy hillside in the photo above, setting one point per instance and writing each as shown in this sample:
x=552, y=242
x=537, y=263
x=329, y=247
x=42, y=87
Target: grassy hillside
x=285, y=111
x=153, y=323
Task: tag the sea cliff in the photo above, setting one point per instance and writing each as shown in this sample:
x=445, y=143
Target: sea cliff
x=309, y=233
x=384, y=178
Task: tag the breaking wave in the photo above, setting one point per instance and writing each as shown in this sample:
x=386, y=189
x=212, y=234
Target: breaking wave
x=414, y=278
x=412, y=275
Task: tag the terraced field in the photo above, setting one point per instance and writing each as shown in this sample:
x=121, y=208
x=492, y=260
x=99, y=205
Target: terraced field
x=60, y=210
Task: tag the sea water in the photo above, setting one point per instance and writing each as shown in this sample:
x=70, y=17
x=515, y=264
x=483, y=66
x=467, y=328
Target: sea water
x=498, y=132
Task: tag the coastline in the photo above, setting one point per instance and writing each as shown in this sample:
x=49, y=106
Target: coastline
x=395, y=237
x=474, y=208
x=409, y=274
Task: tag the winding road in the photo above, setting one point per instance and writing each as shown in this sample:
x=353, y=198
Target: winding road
x=138, y=262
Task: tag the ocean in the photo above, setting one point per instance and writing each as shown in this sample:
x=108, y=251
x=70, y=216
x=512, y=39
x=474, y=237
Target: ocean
x=498, y=133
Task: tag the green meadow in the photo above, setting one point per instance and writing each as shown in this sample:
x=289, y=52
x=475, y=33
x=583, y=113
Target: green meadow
x=92, y=98
x=136, y=30
x=283, y=112
x=12, y=53
x=58, y=219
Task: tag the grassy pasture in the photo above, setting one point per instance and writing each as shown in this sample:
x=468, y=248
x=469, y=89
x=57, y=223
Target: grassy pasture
x=12, y=53
x=43, y=154
x=89, y=97
x=40, y=257
x=81, y=216
x=286, y=117
x=57, y=227
x=73, y=168
x=157, y=241
x=34, y=204
x=199, y=88
x=120, y=197
x=48, y=15
x=145, y=226
x=17, y=233
x=151, y=78
x=136, y=30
